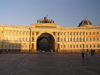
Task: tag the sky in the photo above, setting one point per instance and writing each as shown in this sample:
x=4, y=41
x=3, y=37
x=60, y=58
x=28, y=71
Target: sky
x=64, y=12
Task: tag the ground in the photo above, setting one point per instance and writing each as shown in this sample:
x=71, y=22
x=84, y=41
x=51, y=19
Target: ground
x=49, y=64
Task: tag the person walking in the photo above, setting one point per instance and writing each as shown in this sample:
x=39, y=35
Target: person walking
x=83, y=51
x=87, y=53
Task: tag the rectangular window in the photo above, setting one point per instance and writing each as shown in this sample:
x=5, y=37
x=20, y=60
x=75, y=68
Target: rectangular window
x=64, y=46
x=93, y=33
x=94, y=45
x=86, y=33
x=19, y=45
x=80, y=46
x=9, y=45
x=73, y=46
x=98, y=46
x=70, y=46
x=5, y=46
x=97, y=38
x=77, y=46
x=90, y=46
x=12, y=45
x=86, y=46
x=90, y=33
x=93, y=38
x=16, y=45
x=86, y=39
x=90, y=38
x=64, y=39
x=97, y=32
x=76, y=33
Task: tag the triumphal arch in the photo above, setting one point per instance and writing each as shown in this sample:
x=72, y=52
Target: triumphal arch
x=46, y=36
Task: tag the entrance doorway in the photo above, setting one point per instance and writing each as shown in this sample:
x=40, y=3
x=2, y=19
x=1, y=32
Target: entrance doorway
x=45, y=42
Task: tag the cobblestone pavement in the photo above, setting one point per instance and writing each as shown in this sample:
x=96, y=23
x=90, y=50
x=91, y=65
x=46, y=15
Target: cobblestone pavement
x=49, y=64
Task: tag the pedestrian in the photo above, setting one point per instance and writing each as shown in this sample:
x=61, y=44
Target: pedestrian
x=87, y=53
x=6, y=51
x=83, y=53
x=0, y=51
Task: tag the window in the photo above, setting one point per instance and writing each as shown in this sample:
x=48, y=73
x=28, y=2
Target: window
x=93, y=33
x=86, y=39
x=61, y=46
x=60, y=33
x=97, y=38
x=86, y=33
x=64, y=46
x=90, y=46
x=83, y=45
x=1, y=31
x=9, y=45
x=97, y=32
x=90, y=33
x=90, y=38
x=80, y=46
x=76, y=33
x=94, y=45
x=98, y=46
x=73, y=46
x=64, y=39
x=77, y=39
x=73, y=33
x=93, y=38
x=5, y=46
x=83, y=39
x=12, y=45
x=70, y=46
x=80, y=33
x=83, y=33
x=77, y=46
x=86, y=46
x=70, y=33
x=19, y=46
x=16, y=45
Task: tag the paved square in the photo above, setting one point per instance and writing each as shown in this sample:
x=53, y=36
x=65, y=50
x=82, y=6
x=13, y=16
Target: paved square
x=49, y=64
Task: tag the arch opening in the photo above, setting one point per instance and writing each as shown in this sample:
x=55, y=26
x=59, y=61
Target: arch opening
x=45, y=42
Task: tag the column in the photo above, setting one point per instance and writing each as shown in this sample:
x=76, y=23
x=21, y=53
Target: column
x=11, y=35
x=24, y=36
x=28, y=36
x=7, y=35
x=56, y=36
x=78, y=36
x=63, y=36
x=85, y=36
x=21, y=35
x=66, y=36
x=75, y=36
x=31, y=36
x=81, y=36
x=72, y=36
x=18, y=36
x=34, y=36
x=59, y=37
x=14, y=35
x=69, y=36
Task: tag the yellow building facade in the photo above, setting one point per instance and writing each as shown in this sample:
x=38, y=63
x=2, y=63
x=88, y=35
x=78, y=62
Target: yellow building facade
x=45, y=36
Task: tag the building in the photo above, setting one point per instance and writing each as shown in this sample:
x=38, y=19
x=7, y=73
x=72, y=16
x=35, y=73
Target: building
x=45, y=35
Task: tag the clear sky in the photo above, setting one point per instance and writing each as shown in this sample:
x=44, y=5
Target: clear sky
x=64, y=12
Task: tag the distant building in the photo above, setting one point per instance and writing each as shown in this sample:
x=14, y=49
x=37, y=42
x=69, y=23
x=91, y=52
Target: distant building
x=45, y=35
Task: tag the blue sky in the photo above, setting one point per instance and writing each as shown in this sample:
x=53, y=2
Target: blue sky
x=64, y=12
